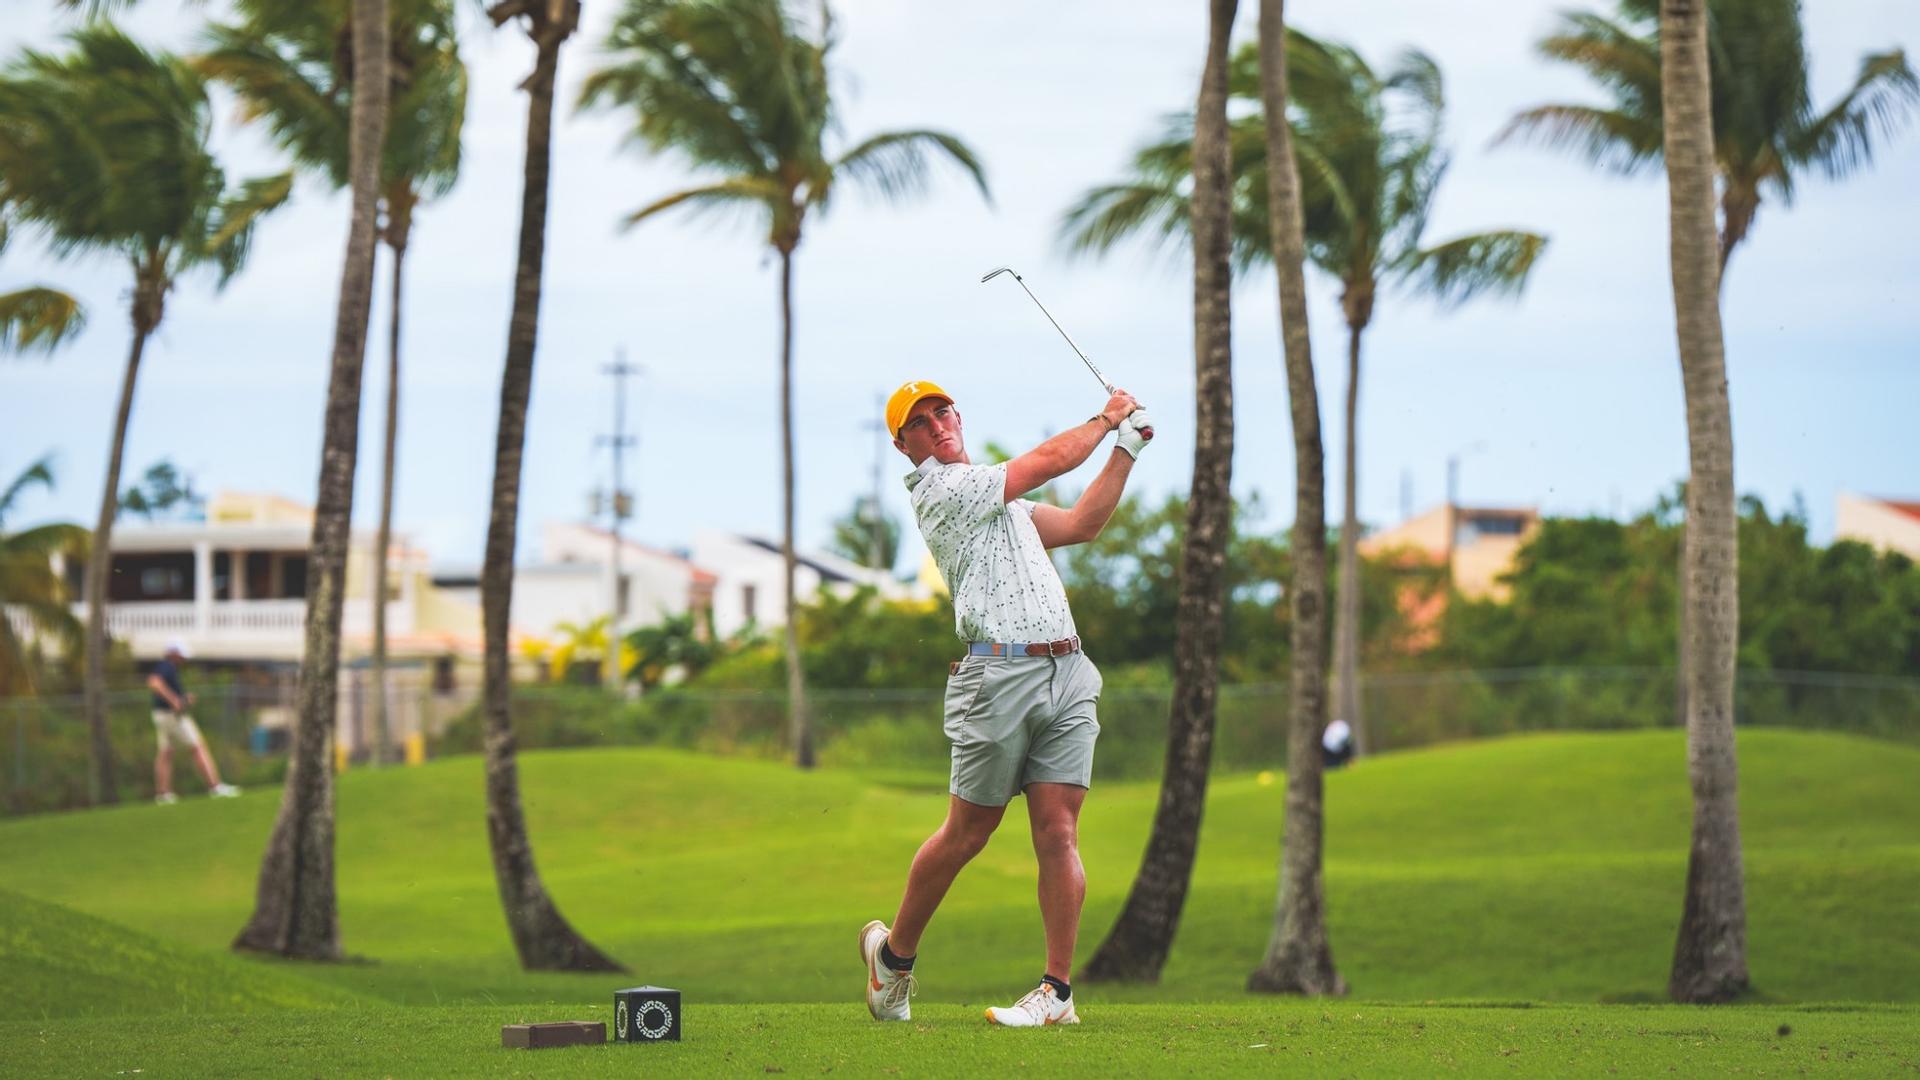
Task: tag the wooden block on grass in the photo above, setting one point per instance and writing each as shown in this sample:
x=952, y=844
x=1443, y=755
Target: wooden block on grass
x=547, y=1036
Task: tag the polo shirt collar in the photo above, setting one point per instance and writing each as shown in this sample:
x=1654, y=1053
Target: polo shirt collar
x=921, y=471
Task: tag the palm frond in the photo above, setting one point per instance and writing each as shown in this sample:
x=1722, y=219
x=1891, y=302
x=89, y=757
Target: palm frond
x=1625, y=62
x=233, y=220
x=895, y=163
x=1417, y=77
x=40, y=472
x=45, y=541
x=1459, y=270
x=1609, y=138
x=1156, y=214
x=1840, y=140
x=734, y=193
x=38, y=318
x=121, y=135
x=297, y=95
x=428, y=122
x=706, y=79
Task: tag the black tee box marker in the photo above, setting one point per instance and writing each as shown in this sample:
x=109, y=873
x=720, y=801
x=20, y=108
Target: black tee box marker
x=546, y=1036
x=646, y=1014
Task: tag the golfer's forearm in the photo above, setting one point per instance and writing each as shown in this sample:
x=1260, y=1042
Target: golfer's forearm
x=1054, y=458
x=1095, y=507
x=1071, y=448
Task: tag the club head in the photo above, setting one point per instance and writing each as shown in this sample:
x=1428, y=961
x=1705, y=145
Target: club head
x=996, y=272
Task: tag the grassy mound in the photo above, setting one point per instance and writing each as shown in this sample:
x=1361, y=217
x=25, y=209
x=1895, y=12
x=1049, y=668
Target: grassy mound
x=1542, y=868
x=60, y=963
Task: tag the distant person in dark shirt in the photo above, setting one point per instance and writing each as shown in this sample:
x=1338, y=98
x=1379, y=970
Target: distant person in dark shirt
x=172, y=725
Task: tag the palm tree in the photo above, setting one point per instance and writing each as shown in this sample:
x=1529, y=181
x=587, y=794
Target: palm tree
x=541, y=935
x=29, y=585
x=867, y=535
x=1766, y=132
x=1299, y=958
x=108, y=154
x=295, y=912
x=1710, y=955
x=741, y=91
x=286, y=63
x=1137, y=946
x=1373, y=158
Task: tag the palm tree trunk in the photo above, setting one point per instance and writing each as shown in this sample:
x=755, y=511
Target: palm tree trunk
x=106, y=786
x=383, y=540
x=1137, y=946
x=295, y=910
x=541, y=935
x=1299, y=958
x=1346, y=618
x=1710, y=954
x=799, y=730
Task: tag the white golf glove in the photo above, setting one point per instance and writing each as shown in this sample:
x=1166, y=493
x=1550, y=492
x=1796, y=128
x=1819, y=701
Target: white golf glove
x=1134, y=432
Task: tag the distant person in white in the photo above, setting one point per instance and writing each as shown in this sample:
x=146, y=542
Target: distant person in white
x=172, y=725
x=1337, y=743
x=1020, y=704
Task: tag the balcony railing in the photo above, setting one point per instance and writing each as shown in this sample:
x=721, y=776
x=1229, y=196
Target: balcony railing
x=230, y=619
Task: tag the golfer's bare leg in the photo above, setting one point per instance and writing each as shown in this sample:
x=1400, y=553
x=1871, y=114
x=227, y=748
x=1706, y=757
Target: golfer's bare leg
x=967, y=829
x=208, y=770
x=1054, y=813
x=163, y=771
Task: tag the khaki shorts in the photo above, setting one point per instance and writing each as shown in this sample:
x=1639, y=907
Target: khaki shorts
x=175, y=728
x=1019, y=720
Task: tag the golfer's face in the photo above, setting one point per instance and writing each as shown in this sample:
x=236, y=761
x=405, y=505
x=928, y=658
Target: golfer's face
x=933, y=430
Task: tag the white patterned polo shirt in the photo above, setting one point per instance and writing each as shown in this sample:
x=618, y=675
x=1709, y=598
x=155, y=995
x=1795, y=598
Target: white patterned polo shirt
x=1003, y=585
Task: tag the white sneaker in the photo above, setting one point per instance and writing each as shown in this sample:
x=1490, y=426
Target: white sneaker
x=224, y=791
x=1039, y=1008
x=166, y=798
x=887, y=989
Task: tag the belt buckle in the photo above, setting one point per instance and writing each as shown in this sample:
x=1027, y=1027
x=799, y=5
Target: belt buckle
x=1059, y=648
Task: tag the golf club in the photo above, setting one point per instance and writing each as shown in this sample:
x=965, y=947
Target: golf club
x=998, y=270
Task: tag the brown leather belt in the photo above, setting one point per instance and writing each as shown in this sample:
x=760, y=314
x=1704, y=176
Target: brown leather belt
x=1024, y=648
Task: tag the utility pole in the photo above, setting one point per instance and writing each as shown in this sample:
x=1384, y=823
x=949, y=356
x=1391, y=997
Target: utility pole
x=619, y=505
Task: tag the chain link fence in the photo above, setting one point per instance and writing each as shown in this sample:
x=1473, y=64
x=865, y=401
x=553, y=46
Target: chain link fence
x=43, y=742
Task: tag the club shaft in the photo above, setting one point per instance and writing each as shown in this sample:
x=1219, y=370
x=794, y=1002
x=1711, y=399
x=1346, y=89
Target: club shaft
x=1063, y=333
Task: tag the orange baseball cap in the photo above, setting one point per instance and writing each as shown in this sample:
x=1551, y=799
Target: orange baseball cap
x=905, y=398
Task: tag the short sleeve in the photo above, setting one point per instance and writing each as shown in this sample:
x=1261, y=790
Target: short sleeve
x=961, y=496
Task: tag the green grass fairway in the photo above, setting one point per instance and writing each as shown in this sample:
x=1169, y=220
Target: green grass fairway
x=1257, y=1039
x=1542, y=870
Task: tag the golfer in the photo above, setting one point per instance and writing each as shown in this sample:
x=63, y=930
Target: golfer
x=172, y=726
x=1020, y=703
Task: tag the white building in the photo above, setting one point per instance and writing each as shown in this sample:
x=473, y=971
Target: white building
x=1887, y=524
x=750, y=579
x=572, y=582
x=234, y=587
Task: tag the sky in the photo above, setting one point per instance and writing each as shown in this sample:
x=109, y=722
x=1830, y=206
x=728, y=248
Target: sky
x=1567, y=399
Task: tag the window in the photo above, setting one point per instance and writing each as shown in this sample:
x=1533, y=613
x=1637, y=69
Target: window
x=1497, y=526
x=746, y=601
x=293, y=579
x=626, y=588
x=162, y=581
